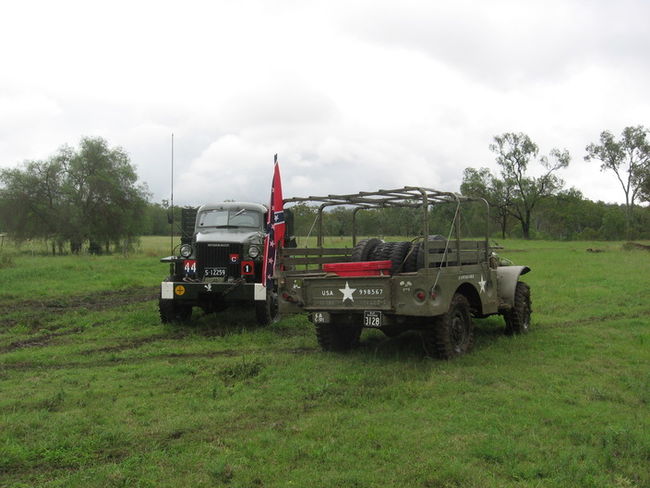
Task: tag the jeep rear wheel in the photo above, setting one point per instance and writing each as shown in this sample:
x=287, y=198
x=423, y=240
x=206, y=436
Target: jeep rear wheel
x=173, y=312
x=452, y=334
x=338, y=335
x=518, y=317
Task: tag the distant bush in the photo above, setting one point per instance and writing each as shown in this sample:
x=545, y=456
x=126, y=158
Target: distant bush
x=6, y=261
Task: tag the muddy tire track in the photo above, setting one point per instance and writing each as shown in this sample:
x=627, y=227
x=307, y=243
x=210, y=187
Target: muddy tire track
x=115, y=361
x=38, y=312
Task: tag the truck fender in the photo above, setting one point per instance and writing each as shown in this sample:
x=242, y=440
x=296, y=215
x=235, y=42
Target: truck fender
x=507, y=277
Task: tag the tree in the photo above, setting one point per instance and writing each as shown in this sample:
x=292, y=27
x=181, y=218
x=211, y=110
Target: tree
x=629, y=159
x=483, y=184
x=90, y=194
x=514, y=153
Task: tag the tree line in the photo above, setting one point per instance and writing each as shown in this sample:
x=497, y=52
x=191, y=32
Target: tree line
x=89, y=197
x=516, y=195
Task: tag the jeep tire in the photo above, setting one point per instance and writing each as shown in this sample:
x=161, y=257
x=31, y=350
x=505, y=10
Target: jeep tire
x=363, y=249
x=518, y=317
x=452, y=334
x=338, y=335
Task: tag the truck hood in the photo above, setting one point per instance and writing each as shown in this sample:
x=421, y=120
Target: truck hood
x=231, y=235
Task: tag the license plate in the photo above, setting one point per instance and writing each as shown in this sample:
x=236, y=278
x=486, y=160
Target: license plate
x=215, y=272
x=320, y=318
x=372, y=318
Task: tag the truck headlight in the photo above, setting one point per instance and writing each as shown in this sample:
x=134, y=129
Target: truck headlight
x=186, y=250
x=253, y=251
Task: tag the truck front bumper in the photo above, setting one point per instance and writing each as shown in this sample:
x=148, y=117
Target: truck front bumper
x=184, y=291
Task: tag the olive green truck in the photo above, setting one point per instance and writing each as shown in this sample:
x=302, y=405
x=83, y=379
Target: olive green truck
x=434, y=284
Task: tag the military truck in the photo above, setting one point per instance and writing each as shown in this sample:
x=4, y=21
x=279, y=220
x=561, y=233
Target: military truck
x=219, y=262
x=434, y=284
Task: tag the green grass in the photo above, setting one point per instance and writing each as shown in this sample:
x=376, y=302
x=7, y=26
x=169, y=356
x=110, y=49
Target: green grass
x=94, y=391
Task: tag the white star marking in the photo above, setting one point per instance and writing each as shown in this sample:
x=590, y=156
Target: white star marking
x=347, y=292
x=482, y=284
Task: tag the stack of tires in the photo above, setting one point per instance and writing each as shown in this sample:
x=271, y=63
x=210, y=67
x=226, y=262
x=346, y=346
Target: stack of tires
x=405, y=256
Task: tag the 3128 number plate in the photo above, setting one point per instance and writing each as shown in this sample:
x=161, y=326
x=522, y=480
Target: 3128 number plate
x=372, y=318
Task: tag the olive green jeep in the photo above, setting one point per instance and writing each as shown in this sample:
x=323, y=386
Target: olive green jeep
x=433, y=284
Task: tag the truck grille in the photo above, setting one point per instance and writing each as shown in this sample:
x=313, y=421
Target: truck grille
x=209, y=255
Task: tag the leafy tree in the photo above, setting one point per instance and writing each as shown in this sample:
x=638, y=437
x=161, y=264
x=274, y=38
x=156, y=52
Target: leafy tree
x=90, y=194
x=514, y=153
x=483, y=184
x=629, y=159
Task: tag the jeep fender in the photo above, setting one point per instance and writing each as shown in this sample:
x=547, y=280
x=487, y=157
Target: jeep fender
x=507, y=277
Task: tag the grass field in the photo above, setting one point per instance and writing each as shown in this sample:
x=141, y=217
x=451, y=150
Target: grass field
x=94, y=391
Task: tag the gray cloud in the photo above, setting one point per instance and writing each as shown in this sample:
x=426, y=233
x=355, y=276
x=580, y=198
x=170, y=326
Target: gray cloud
x=353, y=96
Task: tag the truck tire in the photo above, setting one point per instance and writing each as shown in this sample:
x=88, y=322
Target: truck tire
x=364, y=248
x=266, y=312
x=338, y=335
x=452, y=334
x=173, y=312
x=518, y=317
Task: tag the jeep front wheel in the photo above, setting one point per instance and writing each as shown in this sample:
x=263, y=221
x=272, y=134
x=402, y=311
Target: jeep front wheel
x=518, y=317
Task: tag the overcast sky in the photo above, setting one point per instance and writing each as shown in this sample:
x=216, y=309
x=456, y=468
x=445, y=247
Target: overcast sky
x=352, y=95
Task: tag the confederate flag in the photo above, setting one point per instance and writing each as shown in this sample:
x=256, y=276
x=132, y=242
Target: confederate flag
x=274, y=225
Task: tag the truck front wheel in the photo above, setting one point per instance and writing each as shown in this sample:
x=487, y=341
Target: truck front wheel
x=452, y=334
x=267, y=311
x=173, y=312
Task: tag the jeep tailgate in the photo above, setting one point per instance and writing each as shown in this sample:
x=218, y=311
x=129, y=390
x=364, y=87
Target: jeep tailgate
x=349, y=293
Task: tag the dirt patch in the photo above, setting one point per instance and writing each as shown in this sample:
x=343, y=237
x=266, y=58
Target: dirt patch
x=635, y=246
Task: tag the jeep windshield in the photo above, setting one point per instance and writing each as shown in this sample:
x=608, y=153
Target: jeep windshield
x=230, y=219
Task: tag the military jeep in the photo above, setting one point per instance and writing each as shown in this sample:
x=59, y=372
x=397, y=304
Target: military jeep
x=219, y=262
x=434, y=284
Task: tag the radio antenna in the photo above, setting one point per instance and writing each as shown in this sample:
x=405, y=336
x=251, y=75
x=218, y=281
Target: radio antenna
x=171, y=220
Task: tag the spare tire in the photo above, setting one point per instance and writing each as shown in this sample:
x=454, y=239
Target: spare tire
x=415, y=260
x=397, y=255
x=364, y=248
x=382, y=251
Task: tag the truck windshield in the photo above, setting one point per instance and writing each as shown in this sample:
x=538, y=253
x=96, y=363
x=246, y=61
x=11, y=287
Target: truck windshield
x=230, y=218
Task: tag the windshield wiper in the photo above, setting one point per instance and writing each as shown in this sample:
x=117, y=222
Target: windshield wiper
x=226, y=226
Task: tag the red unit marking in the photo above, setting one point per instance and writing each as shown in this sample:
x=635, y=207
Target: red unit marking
x=247, y=268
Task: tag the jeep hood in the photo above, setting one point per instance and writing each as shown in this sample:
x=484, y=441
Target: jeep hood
x=238, y=236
